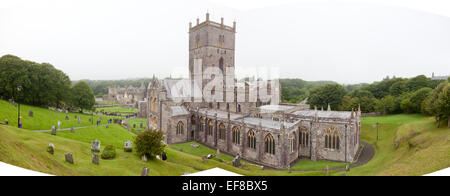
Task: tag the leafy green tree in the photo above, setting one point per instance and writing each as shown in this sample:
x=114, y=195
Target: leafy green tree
x=437, y=103
x=149, y=143
x=398, y=88
x=407, y=106
x=330, y=94
x=82, y=96
x=418, y=97
x=386, y=105
x=417, y=82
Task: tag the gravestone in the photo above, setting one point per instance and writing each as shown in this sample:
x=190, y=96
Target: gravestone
x=30, y=113
x=237, y=161
x=6, y=122
x=347, y=167
x=59, y=124
x=107, y=126
x=262, y=167
x=67, y=117
x=144, y=158
x=134, y=125
x=218, y=153
x=204, y=159
x=164, y=156
x=289, y=169
x=95, y=159
x=327, y=170
x=128, y=146
x=145, y=171
x=53, y=130
x=90, y=119
x=72, y=130
x=194, y=145
x=158, y=157
x=51, y=149
x=79, y=120
x=75, y=116
x=142, y=125
x=95, y=147
x=20, y=124
x=69, y=158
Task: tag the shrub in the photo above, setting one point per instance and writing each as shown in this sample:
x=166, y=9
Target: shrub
x=109, y=152
x=149, y=143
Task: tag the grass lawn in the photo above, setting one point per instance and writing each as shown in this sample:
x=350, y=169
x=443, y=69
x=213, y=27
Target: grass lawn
x=114, y=135
x=307, y=164
x=422, y=147
x=138, y=122
x=117, y=109
x=44, y=119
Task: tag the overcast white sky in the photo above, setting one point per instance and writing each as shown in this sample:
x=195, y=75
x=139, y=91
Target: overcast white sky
x=343, y=41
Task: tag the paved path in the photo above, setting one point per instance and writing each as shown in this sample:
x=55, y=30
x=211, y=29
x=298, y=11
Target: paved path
x=66, y=129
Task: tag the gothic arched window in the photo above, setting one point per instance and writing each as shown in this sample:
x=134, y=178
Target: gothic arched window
x=332, y=138
x=292, y=142
x=210, y=127
x=269, y=144
x=236, y=136
x=222, y=131
x=251, y=139
x=202, y=124
x=180, y=128
x=303, y=136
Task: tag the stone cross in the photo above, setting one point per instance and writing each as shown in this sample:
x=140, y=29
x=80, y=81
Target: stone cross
x=95, y=147
x=53, y=130
x=128, y=146
x=69, y=158
x=145, y=171
x=95, y=159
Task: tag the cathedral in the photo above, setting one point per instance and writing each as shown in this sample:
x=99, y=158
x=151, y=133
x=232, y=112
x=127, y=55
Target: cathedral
x=260, y=130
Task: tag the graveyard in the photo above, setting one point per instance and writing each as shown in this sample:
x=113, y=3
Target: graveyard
x=407, y=145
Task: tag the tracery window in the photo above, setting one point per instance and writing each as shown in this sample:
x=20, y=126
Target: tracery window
x=303, y=136
x=236, y=136
x=210, y=127
x=332, y=138
x=292, y=142
x=222, y=131
x=180, y=127
x=269, y=144
x=251, y=139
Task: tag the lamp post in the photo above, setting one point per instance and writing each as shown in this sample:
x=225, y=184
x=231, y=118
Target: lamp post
x=19, y=88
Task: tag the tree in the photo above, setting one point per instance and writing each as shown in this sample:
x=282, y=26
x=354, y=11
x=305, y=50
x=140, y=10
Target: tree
x=330, y=94
x=437, y=103
x=418, y=97
x=386, y=105
x=398, y=88
x=417, y=82
x=82, y=96
x=149, y=143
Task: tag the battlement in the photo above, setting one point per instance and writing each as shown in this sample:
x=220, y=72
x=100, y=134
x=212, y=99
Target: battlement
x=209, y=22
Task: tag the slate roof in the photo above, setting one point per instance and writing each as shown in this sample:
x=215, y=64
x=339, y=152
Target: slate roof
x=179, y=110
x=266, y=123
x=324, y=114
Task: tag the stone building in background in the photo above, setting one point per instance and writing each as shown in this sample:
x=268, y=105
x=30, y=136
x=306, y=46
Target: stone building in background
x=126, y=95
x=261, y=131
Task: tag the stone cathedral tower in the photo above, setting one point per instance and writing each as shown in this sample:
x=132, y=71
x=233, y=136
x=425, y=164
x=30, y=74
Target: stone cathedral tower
x=212, y=44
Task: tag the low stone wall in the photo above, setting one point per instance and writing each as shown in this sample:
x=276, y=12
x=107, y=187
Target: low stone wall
x=372, y=114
